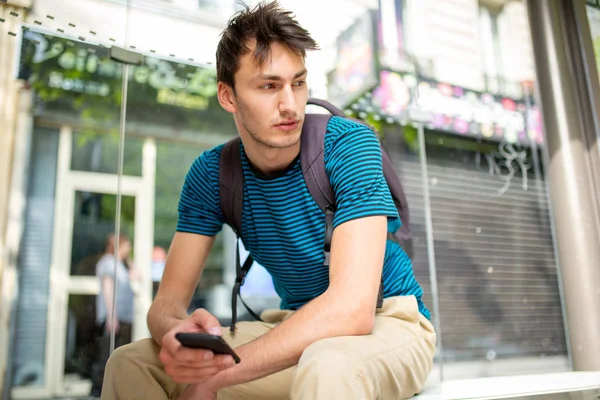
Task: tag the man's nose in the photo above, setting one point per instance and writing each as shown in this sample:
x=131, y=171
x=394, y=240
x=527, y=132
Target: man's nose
x=287, y=103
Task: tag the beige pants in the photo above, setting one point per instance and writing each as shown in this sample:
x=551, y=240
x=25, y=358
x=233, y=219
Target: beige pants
x=393, y=362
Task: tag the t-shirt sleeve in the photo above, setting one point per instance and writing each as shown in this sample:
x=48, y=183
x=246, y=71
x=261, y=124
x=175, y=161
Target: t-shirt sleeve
x=354, y=165
x=199, y=204
x=106, y=267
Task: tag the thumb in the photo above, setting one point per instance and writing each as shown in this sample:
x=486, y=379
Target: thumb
x=207, y=321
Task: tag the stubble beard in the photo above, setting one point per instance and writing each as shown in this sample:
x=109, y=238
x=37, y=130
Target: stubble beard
x=293, y=137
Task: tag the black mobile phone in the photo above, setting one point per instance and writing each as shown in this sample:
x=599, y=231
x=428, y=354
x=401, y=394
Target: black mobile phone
x=214, y=343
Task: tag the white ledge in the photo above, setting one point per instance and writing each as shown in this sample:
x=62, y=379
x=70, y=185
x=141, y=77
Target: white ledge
x=506, y=387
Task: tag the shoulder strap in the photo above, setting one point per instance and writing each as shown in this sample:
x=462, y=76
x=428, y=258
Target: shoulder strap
x=326, y=105
x=312, y=144
x=398, y=195
x=312, y=159
x=313, y=166
x=231, y=184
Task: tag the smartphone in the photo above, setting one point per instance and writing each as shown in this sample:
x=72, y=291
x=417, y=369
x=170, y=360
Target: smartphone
x=216, y=344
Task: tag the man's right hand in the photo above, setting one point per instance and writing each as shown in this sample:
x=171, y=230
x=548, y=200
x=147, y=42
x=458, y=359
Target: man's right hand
x=191, y=366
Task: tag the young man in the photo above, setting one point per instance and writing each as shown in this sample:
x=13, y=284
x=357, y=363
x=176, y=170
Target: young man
x=328, y=341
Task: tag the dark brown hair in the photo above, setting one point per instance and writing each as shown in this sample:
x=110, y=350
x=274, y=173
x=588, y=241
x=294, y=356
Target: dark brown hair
x=110, y=242
x=266, y=24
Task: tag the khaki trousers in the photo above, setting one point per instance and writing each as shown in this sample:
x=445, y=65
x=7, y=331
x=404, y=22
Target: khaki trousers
x=393, y=362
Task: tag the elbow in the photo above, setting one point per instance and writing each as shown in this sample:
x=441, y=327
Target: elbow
x=360, y=321
x=365, y=323
x=351, y=316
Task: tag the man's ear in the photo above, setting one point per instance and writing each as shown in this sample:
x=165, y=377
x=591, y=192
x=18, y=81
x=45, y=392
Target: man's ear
x=226, y=97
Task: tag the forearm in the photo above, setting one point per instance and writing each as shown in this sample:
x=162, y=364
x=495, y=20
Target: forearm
x=283, y=346
x=183, y=269
x=163, y=316
x=108, y=288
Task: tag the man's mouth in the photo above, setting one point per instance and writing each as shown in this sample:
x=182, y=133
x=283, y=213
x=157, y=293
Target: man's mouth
x=289, y=125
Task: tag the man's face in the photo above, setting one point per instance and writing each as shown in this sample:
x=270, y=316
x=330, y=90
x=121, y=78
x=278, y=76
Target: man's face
x=270, y=99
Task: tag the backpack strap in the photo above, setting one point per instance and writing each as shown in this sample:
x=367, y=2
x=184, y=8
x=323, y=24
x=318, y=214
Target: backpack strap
x=312, y=159
x=403, y=235
x=240, y=276
x=231, y=185
x=328, y=106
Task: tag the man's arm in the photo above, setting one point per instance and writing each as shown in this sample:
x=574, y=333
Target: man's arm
x=346, y=308
x=184, y=266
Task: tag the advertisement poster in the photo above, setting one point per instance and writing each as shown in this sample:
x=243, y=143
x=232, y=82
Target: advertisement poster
x=357, y=68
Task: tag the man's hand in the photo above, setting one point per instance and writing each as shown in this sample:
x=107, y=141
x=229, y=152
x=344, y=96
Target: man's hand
x=193, y=366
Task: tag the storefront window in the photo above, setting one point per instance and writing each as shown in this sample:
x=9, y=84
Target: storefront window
x=471, y=157
x=97, y=153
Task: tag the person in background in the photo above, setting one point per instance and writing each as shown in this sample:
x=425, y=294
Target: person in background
x=159, y=259
x=113, y=279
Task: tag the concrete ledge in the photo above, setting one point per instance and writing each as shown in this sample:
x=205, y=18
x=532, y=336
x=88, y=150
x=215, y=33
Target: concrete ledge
x=540, y=386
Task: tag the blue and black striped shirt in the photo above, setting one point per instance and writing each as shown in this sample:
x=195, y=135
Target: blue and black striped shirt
x=283, y=227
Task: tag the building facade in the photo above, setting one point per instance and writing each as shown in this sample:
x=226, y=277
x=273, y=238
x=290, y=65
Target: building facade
x=449, y=85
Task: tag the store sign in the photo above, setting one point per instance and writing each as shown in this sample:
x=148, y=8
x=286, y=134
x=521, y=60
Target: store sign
x=454, y=109
x=79, y=68
x=356, y=69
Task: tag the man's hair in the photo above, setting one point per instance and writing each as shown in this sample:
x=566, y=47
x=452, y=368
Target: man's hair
x=265, y=24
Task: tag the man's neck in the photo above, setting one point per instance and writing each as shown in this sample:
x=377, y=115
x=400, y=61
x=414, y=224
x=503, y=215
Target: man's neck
x=269, y=160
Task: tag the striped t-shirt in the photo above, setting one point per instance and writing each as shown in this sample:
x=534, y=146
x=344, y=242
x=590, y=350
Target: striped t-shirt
x=283, y=227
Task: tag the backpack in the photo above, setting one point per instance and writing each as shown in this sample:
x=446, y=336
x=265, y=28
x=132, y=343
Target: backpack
x=231, y=183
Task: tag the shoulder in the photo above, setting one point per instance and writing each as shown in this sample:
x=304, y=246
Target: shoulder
x=345, y=135
x=210, y=158
x=105, y=264
x=341, y=126
x=206, y=165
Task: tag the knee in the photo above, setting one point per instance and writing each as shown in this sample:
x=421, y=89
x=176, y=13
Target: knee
x=324, y=360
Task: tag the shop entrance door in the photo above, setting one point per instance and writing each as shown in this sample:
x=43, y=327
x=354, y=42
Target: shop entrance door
x=84, y=217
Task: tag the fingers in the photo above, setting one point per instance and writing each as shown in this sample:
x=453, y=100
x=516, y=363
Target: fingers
x=208, y=360
x=192, y=375
x=191, y=357
x=207, y=321
x=195, y=358
x=194, y=366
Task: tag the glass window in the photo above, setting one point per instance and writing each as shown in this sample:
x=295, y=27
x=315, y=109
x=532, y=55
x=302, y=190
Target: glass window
x=94, y=221
x=100, y=152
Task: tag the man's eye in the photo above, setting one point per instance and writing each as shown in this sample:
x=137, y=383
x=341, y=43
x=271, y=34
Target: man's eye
x=299, y=83
x=267, y=86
